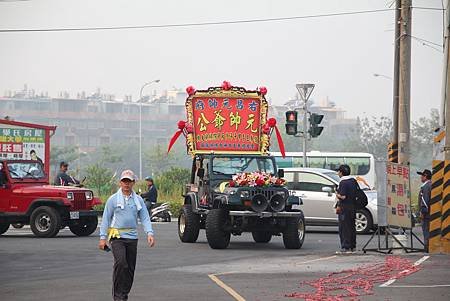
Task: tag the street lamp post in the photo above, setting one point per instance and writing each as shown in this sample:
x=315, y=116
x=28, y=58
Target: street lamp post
x=140, y=124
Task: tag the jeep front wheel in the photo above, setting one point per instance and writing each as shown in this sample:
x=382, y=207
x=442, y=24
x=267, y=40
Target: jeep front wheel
x=84, y=227
x=261, y=236
x=3, y=227
x=45, y=222
x=188, y=224
x=217, y=236
x=294, y=233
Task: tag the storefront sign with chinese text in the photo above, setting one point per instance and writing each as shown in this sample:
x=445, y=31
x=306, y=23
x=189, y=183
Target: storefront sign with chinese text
x=22, y=143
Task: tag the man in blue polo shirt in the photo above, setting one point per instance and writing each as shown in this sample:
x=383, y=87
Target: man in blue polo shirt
x=119, y=226
x=346, y=192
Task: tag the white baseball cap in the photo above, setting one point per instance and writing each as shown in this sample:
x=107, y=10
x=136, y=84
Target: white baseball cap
x=127, y=174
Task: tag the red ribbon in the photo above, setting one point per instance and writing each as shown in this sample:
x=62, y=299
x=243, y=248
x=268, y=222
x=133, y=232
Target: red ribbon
x=272, y=122
x=181, y=126
x=173, y=139
x=280, y=142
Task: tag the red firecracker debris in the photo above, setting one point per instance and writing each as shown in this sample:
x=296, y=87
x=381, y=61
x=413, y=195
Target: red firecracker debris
x=350, y=284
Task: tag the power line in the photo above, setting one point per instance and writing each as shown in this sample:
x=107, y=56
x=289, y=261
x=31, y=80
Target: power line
x=427, y=8
x=197, y=24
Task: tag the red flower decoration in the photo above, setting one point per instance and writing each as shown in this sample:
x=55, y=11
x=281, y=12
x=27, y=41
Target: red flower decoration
x=190, y=90
x=181, y=124
x=189, y=128
x=272, y=122
x=279, y=182
x=266, y=129
x=263, y=90
x=231, y=184
x=226, y=85
x=260, y=182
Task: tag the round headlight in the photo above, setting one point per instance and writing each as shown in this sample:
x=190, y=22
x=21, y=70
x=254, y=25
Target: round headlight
x=245, y=194
x=89, y=195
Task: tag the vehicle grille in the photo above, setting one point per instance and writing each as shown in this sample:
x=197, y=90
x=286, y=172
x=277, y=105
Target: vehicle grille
x=267, y=193
x=79, y=201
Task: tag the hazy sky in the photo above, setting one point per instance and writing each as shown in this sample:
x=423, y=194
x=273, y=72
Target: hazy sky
x=338, y=54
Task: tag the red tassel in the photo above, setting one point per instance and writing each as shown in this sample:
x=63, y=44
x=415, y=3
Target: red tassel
x=173, y=139
x=280, y=142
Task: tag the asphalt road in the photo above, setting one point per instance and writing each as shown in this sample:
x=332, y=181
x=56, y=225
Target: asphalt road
x=71, y=268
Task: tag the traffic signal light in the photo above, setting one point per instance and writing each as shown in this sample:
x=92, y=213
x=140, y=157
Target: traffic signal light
x=291, y=122
x=314, y=120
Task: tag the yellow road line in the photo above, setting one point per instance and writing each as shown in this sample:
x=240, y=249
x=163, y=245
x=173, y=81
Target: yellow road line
x=238, y=297
x=228, y=289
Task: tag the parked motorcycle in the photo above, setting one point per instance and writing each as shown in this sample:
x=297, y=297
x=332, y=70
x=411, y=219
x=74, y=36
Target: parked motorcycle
x=161, y=213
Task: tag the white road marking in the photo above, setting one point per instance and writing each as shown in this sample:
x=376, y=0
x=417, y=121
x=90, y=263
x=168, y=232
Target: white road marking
x=392, y=280
x=317, y=259
x=421, y=286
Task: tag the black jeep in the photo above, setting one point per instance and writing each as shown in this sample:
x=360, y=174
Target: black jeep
x=213, y=202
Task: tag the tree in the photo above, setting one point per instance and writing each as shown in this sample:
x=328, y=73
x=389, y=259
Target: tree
x=100, y=178
x=422, y=133
x=158, y=160
x=173, y=180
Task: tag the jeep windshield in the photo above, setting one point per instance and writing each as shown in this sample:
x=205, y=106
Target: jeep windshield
x=26, y=170
x=229, y=166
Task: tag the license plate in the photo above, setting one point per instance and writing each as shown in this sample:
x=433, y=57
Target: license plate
x=74, y=215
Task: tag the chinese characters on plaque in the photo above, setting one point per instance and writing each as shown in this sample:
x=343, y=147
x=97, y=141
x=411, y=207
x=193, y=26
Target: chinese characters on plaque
x=398, y=195
x=227, y=123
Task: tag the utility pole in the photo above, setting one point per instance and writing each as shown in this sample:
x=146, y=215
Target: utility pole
x=445, y=112
x=404, y=108
x=305, y=91
x=439, y=224
x=393, y=147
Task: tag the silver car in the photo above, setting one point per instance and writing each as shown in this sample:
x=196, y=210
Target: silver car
x=316, y=188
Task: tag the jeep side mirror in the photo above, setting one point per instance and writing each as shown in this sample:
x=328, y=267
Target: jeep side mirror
x=281, y=173
x=201, y=172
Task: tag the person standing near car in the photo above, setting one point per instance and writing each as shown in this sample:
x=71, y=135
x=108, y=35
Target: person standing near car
x=151, y=196
x=424, y=204
x=62, y=178
x=346, y=211
x=119, y=226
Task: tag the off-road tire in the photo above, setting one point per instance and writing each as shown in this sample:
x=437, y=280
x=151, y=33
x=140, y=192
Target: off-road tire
x=363, y=221
x=3, y=227
x=45, y=222
x=294, y=233
x=261, y=236
x=217, y=236
x=85, y=226
x=188, y=224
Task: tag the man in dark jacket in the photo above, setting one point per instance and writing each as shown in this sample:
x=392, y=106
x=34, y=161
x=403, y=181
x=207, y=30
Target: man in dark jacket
x=346, y=192
x=62, y=178
x=151, y=196
x=424, y=204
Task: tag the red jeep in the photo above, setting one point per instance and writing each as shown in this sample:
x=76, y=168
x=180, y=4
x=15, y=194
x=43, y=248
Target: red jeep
x=27, y=198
